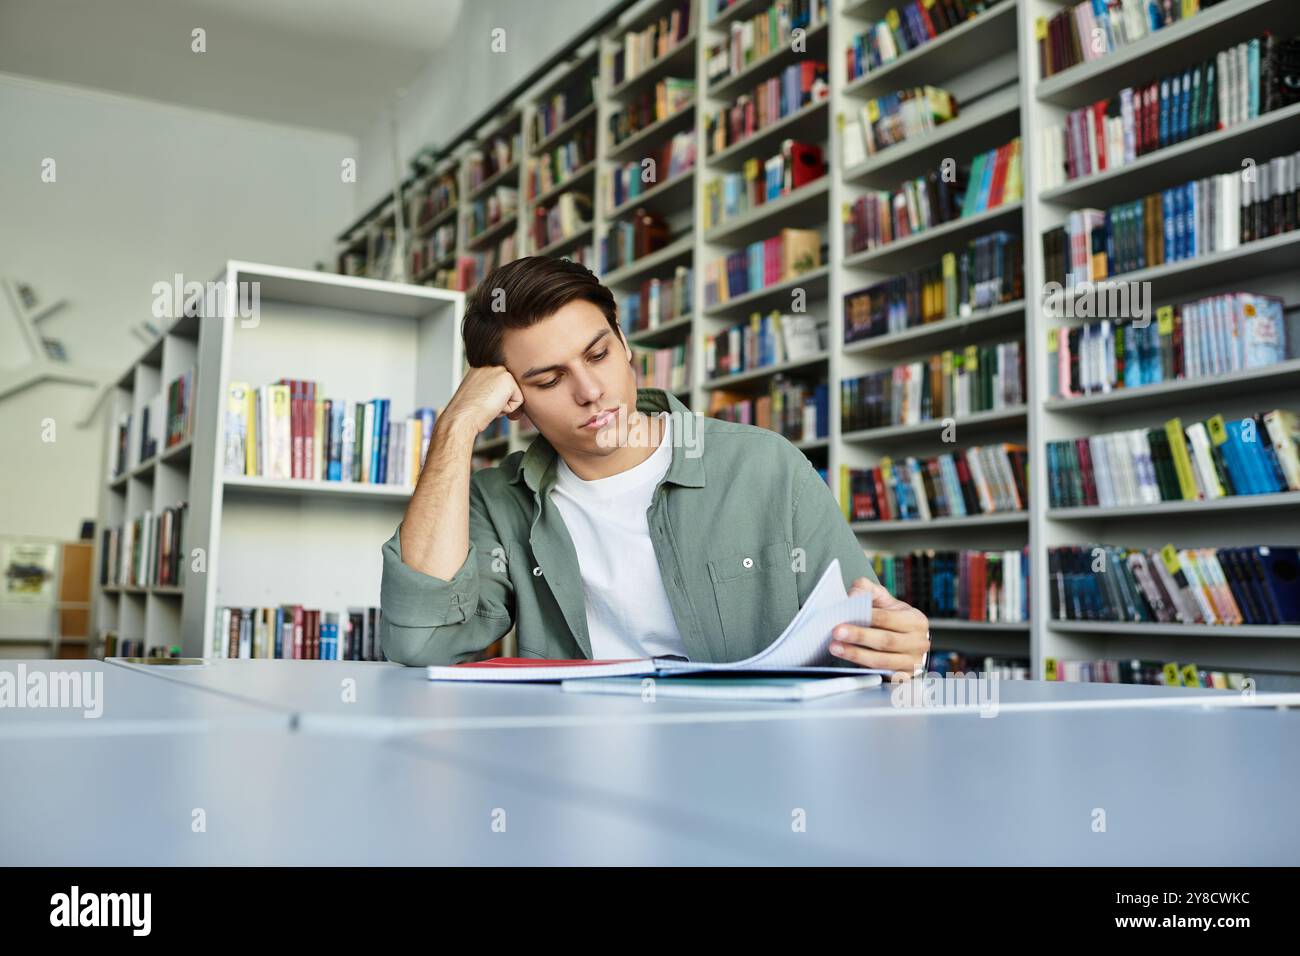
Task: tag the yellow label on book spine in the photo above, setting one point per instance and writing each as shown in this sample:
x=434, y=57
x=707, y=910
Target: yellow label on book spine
x=1169, y=555
x=873, y=111
x=1191, y=676
x=839, y=122
x=1165, y=320
x=892, y=19
x=1171, y=675
x=1218, y=432
x=1052, y=343
x=1040, y=28
x=1049, y=668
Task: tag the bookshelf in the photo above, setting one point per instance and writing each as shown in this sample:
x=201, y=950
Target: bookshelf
x=990, y=64
x=358, y=338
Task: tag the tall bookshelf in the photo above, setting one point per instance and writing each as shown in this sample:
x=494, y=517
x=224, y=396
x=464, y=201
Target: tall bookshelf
x=359, y=339
x=1267, y=266
x=990, y=64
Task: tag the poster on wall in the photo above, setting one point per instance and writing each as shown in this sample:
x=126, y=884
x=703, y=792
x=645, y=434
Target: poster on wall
x=29, y=571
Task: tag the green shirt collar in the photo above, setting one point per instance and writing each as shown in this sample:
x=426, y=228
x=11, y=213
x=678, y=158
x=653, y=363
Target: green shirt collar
x=538, y=464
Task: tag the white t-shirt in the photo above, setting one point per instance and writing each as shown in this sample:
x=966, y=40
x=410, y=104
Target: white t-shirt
x=628, y=614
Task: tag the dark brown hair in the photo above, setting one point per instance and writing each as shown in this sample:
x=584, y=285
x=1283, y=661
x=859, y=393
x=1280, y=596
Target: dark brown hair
x=522, y=293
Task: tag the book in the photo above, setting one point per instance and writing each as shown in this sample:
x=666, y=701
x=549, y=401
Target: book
x=802, y=645
x=952, y=585
x=733, y=685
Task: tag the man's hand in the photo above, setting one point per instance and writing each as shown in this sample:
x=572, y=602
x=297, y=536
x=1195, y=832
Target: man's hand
x=898, y=639
x=484, y=394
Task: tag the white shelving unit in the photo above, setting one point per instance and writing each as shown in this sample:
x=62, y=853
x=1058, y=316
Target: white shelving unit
x=357, y=338
x=991, y=65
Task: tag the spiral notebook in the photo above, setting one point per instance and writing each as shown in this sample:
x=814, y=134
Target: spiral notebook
x=803, y=646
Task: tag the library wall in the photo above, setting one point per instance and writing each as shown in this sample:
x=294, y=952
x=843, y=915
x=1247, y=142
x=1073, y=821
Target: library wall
x=183, y=191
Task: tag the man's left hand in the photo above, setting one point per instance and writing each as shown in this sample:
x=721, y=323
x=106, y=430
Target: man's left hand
x=897, y=640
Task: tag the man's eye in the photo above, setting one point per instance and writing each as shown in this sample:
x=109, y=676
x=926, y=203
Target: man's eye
x=601, y=355
x=551, y=384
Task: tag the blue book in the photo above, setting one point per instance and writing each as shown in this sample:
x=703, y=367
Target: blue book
x=334, y=468
x=1252, y=74
x=1165, y=107
x=1185, y=107
x=1247, y=467
x=1166, y=199
x=374, y=441
x=278, y=637
x=381, y=417
x=986, y=181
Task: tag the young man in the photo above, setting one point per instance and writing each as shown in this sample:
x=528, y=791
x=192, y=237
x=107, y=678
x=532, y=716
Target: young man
x=629, y=527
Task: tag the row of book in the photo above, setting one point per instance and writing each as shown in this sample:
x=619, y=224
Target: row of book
x=660, y=165
x=1209, y=215
x=486, y=160
x=667, y=368
x=292, y=632
x=761, y=341
x=988, y=272
x=895, y=117
x=797, y=409
x=431, y=251
x=641, y=48
x=958, y=663
x=987, y=586
x=1216, y=335
x=761, y=264
x=657, y=302
x=635, y=237
x=428, y=204
x=568, y=215
x=559, y=164
x=563, y=105
x=881, y=216
x=981, y=480
x=500, y=204
x=1234, y=87
x=1092, y=29
x=1201, y=462
x=797, y=86
x=180, y=409
x=905, y=28
x=951, y=384
x=1257, y=584
x=761, y=35
x=147, y=551
x=669, y=97
x=1135, y=671
x=760, y=181
x=284, y=431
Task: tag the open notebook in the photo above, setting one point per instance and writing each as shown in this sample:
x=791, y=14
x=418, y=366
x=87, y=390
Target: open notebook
x=804, y=645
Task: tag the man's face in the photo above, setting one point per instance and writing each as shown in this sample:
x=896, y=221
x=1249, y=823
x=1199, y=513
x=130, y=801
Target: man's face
x=570, y=367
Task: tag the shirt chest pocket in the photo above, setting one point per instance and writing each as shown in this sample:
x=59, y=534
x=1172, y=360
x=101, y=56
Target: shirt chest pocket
x=756, y=595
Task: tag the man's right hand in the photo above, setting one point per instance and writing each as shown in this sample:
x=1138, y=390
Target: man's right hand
x=484, y=394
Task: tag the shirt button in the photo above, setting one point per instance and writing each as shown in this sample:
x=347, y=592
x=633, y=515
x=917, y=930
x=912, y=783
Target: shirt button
x=748, y=562
x=537, y=571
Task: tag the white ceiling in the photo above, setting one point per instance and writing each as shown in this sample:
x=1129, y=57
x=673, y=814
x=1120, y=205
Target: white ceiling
x=328, y=64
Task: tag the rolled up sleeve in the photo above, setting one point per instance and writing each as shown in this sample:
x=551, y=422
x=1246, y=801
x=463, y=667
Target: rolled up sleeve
x=428, y=620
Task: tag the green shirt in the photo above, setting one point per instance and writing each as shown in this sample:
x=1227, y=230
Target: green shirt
x=742, y=527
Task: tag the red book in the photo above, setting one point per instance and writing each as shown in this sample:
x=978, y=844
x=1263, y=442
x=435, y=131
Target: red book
x=806, y=164
x=999, y=176
x=886, y=513
x=1098, y=115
